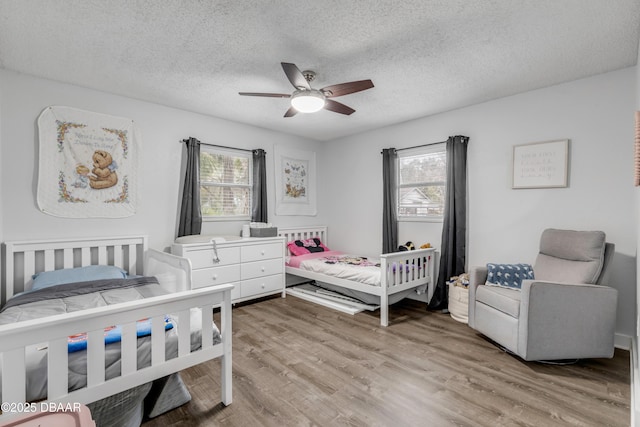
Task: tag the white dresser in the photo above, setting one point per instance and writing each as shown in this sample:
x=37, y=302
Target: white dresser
x=254, y=265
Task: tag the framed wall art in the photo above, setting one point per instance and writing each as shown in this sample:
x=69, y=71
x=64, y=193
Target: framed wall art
x=541, y=164
x=87, y=164
x=295, y=182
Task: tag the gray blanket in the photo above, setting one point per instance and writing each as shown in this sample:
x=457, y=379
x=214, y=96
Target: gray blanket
x=69, y=290
x=73, y=297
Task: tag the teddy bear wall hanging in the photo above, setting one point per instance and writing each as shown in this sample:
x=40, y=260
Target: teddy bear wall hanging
x=87, y=164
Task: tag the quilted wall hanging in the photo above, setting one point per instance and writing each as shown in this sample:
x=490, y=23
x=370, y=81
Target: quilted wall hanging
x=87, y=164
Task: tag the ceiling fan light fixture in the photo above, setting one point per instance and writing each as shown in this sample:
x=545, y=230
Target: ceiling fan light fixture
x=308, y=101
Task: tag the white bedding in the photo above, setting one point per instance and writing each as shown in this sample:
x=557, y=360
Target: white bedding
x=341, y=265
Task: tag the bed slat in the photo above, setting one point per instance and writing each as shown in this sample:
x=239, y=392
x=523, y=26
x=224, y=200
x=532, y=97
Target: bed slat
x=184, y=336
x=29, y=265
x=95, y=357
x=57, y=379
x=117, y=256
x=68, y=257
x=129, y=348
x=102, y=255
x=157, y=340
x=85, y=257
x=49, y=260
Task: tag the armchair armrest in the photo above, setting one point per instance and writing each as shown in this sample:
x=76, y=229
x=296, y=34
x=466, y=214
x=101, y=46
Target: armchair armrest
x=477, y=276
x=586, y=313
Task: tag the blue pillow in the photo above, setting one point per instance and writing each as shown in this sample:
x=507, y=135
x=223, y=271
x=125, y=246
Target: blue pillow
x=74, y=275
x=508, y=275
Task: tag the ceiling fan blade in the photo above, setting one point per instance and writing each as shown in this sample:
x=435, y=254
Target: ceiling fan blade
x=346, y=88
x=337, y=107
x=295, y=76
x=291, y=112
x=270, y=95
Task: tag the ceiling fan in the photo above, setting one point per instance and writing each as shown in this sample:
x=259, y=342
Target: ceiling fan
x=305, y=99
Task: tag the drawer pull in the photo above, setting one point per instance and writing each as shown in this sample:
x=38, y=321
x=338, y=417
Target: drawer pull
x=263, y=286
x=215, y=277
x=263, y=269
x=262, y=253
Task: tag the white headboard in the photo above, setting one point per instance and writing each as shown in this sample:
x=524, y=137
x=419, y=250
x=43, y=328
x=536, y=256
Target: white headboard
x=307, y=232
x=23, y=259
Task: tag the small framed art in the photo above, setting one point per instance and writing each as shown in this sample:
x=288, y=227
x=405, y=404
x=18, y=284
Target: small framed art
x=295, y=182
x=541, y=164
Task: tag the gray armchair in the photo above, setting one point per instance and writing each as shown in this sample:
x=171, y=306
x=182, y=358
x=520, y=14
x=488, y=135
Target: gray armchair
x=564, y=313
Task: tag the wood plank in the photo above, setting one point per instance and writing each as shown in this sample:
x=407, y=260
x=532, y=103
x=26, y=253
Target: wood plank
x=297, y=363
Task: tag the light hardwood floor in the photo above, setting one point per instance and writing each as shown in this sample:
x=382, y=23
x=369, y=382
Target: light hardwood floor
x=298, y=364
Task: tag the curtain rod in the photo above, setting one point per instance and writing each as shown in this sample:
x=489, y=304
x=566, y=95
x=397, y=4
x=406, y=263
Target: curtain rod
x=220, y=146
x=423, y=145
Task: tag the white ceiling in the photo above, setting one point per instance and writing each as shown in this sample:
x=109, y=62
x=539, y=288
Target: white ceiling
x=424, y=56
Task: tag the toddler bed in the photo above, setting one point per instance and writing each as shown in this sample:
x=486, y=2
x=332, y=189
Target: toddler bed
x=382, y=281
x=85, y=331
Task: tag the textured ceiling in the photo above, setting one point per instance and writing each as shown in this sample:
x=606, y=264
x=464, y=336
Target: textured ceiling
x=424, y=56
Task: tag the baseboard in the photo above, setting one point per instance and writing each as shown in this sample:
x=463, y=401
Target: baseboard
x=635, y=383
x=622, y=342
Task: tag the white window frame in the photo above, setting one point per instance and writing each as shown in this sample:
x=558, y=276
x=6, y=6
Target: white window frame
x=435, y=148
x=234, y=153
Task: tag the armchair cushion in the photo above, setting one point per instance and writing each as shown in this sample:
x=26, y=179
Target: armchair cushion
x=508, y=275
x=570, y=256
x=501, y=299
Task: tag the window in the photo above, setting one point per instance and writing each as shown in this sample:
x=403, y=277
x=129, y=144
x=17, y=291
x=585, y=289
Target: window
x=422, y=176
x=225, y=184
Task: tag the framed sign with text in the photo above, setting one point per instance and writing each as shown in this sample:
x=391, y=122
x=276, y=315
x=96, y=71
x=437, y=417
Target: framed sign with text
x=541, y=164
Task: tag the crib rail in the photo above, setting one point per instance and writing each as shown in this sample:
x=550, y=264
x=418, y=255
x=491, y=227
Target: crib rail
x=53, y=332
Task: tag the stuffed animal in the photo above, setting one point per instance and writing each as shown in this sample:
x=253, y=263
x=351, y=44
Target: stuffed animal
x=426, y=246
x=406, y=247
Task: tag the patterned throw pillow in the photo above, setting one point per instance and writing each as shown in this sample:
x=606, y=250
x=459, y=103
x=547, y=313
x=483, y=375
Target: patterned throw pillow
x=508, y=275
x=303, y=247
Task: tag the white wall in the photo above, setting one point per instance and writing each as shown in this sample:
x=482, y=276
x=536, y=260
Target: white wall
x=22, y=99
x=505, y=224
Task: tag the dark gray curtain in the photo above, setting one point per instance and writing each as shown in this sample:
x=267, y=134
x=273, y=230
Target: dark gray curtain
x=389, y=213
x=259, y=207
x=190, y=215
x=454, y=228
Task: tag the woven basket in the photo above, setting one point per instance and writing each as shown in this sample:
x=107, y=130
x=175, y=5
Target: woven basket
x=459, y=303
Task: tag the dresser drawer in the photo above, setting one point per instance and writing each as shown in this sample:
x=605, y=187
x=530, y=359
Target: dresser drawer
x=261, y=285
x=263, y=251
x=267, y=267
x=202, y=258
x=215, y=276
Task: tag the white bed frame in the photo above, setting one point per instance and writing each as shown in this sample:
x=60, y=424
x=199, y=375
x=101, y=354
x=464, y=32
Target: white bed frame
x=391, y=281
x=22, y=259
